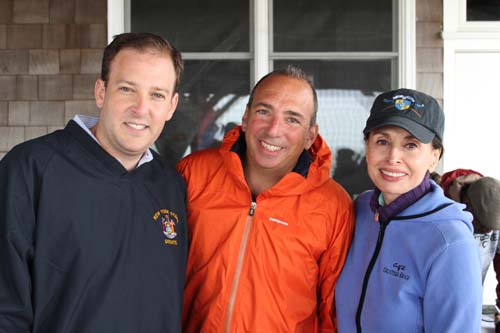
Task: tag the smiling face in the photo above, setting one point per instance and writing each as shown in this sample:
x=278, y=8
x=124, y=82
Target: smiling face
x=277, y=124
x=397, y=161
x=135, y=103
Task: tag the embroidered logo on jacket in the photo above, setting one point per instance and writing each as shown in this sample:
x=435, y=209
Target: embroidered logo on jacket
x=169, y=221
x=397, y=270
x=272, y=219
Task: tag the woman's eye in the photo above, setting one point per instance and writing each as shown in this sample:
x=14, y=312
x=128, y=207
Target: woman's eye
x=381, y=142
x=411, y=145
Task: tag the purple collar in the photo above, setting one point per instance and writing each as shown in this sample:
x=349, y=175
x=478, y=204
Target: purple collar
x=387, y=212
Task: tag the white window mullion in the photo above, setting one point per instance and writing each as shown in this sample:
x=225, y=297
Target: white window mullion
x=261, y=37
x=334, y=55
x=117, y=17
x=407, y=44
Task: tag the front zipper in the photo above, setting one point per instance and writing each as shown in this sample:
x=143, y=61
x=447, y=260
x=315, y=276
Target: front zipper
x=380, y=239
x=239, y=265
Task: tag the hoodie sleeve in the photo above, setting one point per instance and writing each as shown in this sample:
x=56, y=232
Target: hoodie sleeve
x=453, y=296
x=17, y=222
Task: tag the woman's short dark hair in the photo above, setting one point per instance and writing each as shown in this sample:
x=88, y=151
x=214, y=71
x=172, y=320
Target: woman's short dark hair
x=438, y=144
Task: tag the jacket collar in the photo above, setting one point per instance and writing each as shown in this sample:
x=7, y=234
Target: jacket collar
x=315, y=173
x=96, y=151
x=388, y=212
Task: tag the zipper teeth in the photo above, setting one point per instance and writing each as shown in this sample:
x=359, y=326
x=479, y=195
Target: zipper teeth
x=368, y=273
x=239, y=265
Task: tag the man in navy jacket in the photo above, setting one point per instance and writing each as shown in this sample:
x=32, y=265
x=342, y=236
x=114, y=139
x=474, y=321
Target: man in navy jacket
x=92, y=223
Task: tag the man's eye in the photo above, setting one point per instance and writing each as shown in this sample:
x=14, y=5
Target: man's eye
x=411, y=145
x=293, y=120
x=381, y=142
x=125, y=89
x=261, y=111
x=158, y=95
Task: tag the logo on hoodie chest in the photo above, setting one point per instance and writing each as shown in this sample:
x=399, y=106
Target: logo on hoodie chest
x=397, y=270
x=169, y=221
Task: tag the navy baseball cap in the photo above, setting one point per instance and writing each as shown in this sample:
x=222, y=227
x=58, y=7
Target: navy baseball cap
x=414, y=111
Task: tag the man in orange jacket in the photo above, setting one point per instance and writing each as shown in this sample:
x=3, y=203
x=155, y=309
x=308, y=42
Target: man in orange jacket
x=269, y=228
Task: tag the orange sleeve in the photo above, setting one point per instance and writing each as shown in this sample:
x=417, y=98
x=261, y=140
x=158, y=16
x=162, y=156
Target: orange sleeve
x=331, y=263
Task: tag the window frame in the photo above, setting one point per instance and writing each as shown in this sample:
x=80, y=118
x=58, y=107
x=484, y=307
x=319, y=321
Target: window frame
x=261, y=11
x=456, y=26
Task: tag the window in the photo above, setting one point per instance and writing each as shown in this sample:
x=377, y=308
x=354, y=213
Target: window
x=483, y=10
x=351, y=49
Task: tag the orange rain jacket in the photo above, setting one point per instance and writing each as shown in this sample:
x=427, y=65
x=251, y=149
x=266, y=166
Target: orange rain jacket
x=266, y=266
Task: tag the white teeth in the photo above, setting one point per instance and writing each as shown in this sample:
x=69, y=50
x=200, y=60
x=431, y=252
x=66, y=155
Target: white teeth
x=137, y=126
x=270, y=147
x=393, y=174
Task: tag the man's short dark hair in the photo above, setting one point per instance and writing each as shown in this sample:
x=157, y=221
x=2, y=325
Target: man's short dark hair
x=141, y=41
x=296, y=73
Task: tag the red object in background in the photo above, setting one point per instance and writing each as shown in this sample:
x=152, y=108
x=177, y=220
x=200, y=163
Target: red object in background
x=448, y=178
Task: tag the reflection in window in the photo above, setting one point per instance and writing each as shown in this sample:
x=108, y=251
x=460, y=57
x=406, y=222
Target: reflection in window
x=483, y=10
x=215, y=38
x=196, y=25
x=213, y=96
x=333, y=25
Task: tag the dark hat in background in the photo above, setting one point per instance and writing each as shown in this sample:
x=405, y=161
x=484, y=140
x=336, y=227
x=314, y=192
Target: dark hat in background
x=457, y=178
x=412, y=110
x=456, y=188
x=484, y=196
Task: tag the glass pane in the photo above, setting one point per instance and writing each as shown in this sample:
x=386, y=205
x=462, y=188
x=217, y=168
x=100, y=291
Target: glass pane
x=346, y=90
x=196, y=25
x=333, y=25
x=213, y=96
x=483, y=10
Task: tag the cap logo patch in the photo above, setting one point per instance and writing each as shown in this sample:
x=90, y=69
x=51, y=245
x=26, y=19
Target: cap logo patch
x=402, y=103
x=169, y=221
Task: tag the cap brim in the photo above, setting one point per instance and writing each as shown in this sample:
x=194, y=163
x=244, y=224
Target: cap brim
x=421, y=133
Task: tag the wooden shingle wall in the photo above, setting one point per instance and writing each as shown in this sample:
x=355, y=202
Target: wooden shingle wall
x=50, y=53
x=430, y=47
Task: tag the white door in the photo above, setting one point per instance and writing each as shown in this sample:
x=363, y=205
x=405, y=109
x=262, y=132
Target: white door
x=471, y=88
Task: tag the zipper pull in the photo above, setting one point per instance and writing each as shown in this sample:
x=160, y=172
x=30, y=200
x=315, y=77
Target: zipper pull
x=252, y=208
x=376, y=216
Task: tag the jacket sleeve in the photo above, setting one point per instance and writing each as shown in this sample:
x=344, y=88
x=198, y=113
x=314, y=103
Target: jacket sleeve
x=17, y=221
x=453, y=295
x=332, y=261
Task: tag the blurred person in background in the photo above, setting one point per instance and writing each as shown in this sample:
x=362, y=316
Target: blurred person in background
x=481, y=195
